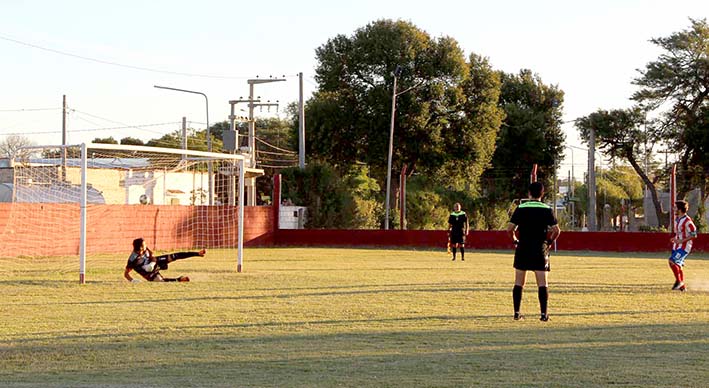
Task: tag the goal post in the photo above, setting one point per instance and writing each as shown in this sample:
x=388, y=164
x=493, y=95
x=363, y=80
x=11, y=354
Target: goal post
x=96, y=198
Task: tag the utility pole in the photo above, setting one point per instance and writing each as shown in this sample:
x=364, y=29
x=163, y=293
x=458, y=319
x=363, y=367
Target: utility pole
x=396, y=74
x=301, y=123
x=64, y=138
x=252, y=131
x=232, y=142
x=592, y=180
x=184, y=136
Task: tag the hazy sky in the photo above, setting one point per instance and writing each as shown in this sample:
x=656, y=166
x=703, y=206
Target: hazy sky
x=591, y=49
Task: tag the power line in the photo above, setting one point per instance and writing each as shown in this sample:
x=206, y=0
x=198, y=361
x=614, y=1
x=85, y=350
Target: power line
x=90, y=129
x=115, y=122
x=28, y=109
x=274, y=147
x=141, y=68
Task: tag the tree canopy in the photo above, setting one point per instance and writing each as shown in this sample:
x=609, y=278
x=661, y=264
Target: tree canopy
x=530, y=134
x=349, y=115
x=679, y=80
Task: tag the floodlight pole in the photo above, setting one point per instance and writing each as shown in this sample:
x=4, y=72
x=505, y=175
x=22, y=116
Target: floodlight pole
x=209, y=137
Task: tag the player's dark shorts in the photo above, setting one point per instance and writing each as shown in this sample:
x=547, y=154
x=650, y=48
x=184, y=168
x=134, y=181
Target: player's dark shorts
x=457, y=237
x=532, y=258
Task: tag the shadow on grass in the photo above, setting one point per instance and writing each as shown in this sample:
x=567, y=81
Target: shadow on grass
x=628, y=355
x=295, y=325
x=301, y=292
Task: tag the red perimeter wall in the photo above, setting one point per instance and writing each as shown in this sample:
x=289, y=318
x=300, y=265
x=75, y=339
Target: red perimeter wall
x=55, y=228
x=569, y=241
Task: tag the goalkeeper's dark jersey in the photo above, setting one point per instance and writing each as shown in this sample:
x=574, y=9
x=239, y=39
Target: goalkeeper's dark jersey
x=142, y=265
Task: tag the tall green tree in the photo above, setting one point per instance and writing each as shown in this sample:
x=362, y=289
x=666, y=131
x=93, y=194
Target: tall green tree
x=530, y=134
x=349, y=115
x=471, y=128
x=679, y=79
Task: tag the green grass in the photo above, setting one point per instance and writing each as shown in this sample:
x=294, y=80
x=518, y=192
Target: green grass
x=354, y=318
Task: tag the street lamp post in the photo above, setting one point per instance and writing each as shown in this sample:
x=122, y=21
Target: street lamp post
x=209, y=136
x=397, y=73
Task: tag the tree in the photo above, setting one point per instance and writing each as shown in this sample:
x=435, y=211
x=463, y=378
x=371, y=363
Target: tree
x=320, y=189
x=619, y=187
x=349, y=115
x=679, y=78
x=471, y=130
x=132, y=141
x=106, y=140
x=196, y=140
x=11, y=146
x=530, y=134
x=619, y=135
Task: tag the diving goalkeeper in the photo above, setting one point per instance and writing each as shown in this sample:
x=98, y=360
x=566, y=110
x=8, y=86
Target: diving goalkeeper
x=142, y=261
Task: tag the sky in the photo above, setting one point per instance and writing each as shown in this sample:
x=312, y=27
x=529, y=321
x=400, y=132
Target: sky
x=107, y=56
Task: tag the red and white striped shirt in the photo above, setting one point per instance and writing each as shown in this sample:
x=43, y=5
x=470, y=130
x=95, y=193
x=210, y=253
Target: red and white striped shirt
x=684, y=228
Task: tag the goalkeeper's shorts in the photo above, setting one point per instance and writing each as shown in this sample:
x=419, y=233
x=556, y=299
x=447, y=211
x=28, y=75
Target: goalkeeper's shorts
x=162, y=262
x=678, y=256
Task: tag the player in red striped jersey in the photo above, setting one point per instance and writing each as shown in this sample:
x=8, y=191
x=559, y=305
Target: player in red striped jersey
x=685, y=232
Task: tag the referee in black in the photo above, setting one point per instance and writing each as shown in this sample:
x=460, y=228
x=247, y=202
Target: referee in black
x=533, y=228
x=458, y=230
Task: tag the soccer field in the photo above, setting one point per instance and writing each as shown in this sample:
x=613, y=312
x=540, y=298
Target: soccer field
x=355, y=318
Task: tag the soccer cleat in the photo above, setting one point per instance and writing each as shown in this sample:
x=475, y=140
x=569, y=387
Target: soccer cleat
x=183, y=279
x=678, y=286
x=462, y=259
x=683, y=288
x=453, y=259
x=518, y=316
x=544, y=317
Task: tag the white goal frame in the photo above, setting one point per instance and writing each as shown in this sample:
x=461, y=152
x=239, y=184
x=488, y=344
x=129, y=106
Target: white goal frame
x=238, y=160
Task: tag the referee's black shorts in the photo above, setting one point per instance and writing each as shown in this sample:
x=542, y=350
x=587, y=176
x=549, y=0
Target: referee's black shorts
x=457, y=237
x=532, y=258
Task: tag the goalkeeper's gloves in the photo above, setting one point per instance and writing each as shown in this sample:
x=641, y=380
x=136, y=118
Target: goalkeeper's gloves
x=135, y=280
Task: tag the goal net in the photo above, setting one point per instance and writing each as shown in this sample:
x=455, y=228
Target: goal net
x=74, y=201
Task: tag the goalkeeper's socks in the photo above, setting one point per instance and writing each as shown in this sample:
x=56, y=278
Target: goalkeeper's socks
x=517, y=297
x=543, y=293
x=455, y=250
x=462, y=253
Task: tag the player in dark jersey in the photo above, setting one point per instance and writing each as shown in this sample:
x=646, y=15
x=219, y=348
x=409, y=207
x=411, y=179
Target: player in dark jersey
x=533, y=228
x=457, y=230
x=142, y=261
